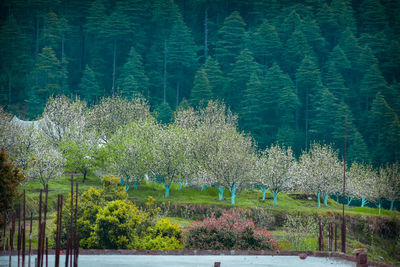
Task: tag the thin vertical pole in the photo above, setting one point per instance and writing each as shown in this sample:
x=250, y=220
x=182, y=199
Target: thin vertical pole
x=39, y=229
x=335, y=237
x=4, y=231
x=44, y=222
x=47, y=252
x=30, y=241
x=67, y=250
x=24, y=229
x=72, y=216
x=76, y=238
x=344, y=189
x=12, y=231
x=19, y=236
x=59, y=228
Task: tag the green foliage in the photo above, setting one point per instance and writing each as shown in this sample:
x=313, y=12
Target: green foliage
x=201, y=91
x=10, y=179
x=230, y=38
x=89, y=88
x=106, y=219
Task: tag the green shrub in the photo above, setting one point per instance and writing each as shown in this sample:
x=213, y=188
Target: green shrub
x=107, y=220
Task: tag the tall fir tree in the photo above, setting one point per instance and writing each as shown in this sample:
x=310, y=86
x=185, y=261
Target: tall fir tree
x=372, y=83
x=182, y=56
x=89, y=88
x=216, y=78
x=134, y=67
x=296, y=49
x=230, y=40
x=383, y=130
x=201, y=91
x=308, y=76
x=266, y=46
x=373, y=18
x=250, y=109
x=243, y=67
x=48, y=73
x=358, y=150
x=333, y=79
x=289, y=25
x=328, y=23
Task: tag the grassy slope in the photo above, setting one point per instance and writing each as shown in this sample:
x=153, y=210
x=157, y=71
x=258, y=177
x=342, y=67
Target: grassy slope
x=246, y=199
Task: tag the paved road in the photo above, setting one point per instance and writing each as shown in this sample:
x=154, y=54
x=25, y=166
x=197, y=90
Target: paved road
x=194, y=261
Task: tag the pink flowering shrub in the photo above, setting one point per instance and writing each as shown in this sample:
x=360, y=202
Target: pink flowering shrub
x=230, y=231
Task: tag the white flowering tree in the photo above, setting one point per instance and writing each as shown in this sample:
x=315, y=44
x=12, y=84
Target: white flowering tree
x=47, y=162
x=275, y=170
x=391, y=173
x=170, y=155
x=112, y=113
x=319, y=171
x=230, y=165
x=379, y=189
x=63, y=117
x=130, y=152
x=206, y=127
x=360, y=179
x=8, y=131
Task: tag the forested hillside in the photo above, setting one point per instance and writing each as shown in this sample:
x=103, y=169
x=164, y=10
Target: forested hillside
x=291, y=70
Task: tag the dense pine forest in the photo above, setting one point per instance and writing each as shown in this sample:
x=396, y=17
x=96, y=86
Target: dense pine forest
x=291, y=70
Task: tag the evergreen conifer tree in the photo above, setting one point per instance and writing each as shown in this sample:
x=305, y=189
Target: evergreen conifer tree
x=201, y=91
x=134, y=67
x=89, y=88
x=230, y=39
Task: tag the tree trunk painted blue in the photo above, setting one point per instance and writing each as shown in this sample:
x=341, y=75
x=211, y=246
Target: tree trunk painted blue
x=136, y=185
x=167, y=187
x=220, y=193
x=379, y=206
x=203, y=187
x=319, y=201
x=233, y=192
x=122, y=181
x=391, y=205
x=275, y=196
x=264, y=190
x=325, y=200
x=349, y=200
x=363, y=202
x=127, y=186
x=180, y=186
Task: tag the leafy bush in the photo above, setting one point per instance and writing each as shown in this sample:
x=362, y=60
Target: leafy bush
x=106, y=219
x=230, y=231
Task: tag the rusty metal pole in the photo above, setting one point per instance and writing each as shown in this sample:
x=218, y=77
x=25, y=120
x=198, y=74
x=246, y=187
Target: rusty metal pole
x=67, y=251
x=59, y=228
x=19, y=236
x=47, y=252
x=30, y=241
x=344, y=189
x=24, y=229
x=39, y=249
x=4, y=231
x=320, y=245
x=44, y=223
x=335, y=237
x=12, y=231
x=76, y=238
x=72, y=218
